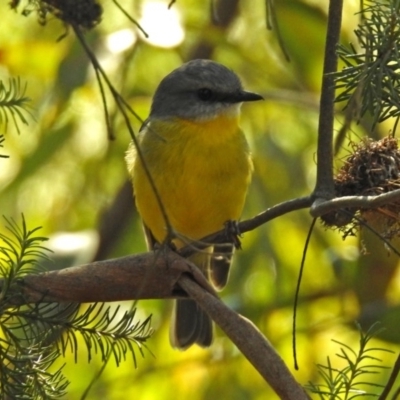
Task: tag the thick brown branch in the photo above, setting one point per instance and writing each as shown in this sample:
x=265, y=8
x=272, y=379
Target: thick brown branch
x=141, y=276
x=249, y=341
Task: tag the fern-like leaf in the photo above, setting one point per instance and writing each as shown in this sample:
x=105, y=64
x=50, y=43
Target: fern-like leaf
x=33, y=336
x=24, y=358
x=370, y=81
x=351, y=381
x=13, y=103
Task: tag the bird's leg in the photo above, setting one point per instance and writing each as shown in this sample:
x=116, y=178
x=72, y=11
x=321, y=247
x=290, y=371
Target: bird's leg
x=233, y=233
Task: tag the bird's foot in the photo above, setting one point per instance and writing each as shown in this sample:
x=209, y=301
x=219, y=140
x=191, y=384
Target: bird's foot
x=233, y=233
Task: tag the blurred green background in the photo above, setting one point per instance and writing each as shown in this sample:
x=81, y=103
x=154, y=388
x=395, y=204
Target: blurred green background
x=66, y=176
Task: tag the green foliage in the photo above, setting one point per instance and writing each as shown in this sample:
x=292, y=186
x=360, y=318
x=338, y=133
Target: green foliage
x=34, y=336
x=13, y=102
x=346, y=383
x=1, y=145
x=370, y=79
x=21, y=253
x=102, y=329
x=25, y=359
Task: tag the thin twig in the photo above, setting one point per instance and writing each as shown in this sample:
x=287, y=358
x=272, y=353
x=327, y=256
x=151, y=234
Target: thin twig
x=376, y=233
x=110, y=133
x=321, y=207
x=272, y=24
x=122, y=105
x=131, y=19
x=274, y=212
x=396, y=394
x=250, y=224
x=392, y=379
x=296, y=296
x=318, y=208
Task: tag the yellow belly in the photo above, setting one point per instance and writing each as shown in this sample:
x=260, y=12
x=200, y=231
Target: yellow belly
x=201, y=171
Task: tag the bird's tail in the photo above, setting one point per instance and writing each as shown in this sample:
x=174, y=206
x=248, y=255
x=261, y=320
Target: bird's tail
x=190, y=324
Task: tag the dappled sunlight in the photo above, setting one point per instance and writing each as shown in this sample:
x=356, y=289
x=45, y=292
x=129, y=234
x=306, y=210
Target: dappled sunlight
x=162, y=25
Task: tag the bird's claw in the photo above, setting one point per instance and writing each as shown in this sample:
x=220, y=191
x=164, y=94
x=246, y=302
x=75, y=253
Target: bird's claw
x=233, y=233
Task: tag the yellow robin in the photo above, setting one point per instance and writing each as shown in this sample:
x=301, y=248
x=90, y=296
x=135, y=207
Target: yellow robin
x=200, y=164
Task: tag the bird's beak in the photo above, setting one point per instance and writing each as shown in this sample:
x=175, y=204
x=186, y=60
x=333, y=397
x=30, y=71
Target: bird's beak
x=249, y=96
x=239, y=97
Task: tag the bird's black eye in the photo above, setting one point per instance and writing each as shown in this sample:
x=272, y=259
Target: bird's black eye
x=205, y=94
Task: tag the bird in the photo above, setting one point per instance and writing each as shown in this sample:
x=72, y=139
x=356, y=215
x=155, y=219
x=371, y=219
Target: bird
x=201, y=166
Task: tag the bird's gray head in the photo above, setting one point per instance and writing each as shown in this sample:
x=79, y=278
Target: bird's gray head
x=199, y=89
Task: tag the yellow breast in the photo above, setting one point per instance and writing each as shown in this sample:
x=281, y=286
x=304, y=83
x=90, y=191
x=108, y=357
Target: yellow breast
x=201, y=171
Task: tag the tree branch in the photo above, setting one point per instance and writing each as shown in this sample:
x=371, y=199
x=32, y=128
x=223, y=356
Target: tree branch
x=249, y=224
x=321, y=207
x=317, y=208
x=152, y=275
x=249, y=341
x=324, y=186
